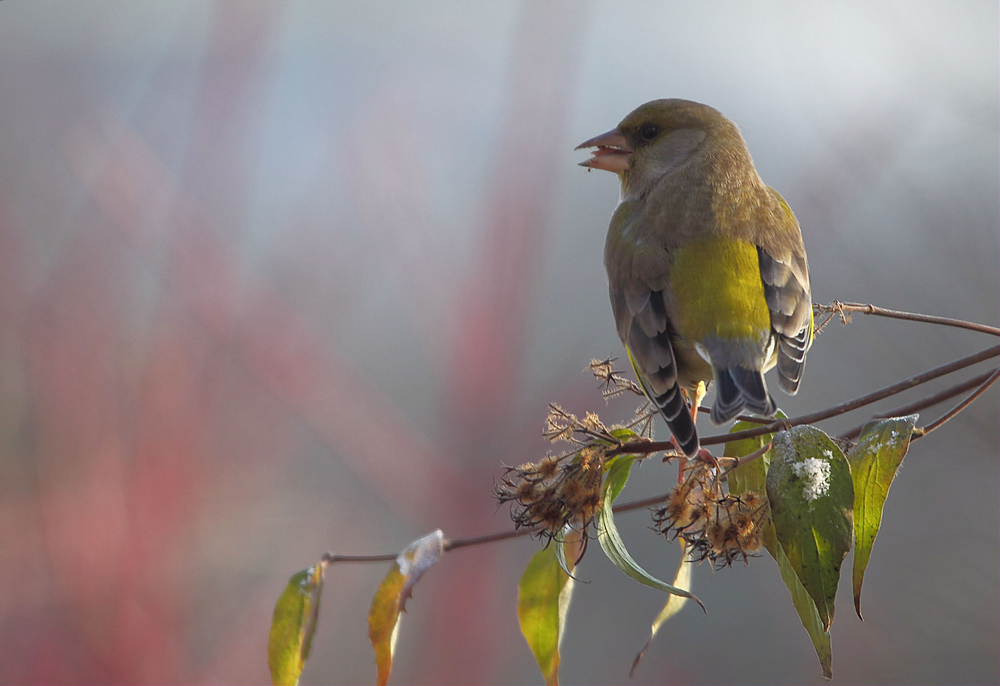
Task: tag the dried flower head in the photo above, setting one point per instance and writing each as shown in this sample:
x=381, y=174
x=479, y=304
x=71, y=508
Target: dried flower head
x=719, y=528
x=556, y=492
x=689, y=504
x=735, y=529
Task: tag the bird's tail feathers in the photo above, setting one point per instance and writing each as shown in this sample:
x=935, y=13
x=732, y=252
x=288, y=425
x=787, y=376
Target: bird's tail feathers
x=738, y=388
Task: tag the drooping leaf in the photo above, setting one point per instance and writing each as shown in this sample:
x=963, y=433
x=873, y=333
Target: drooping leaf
x=811, y=494
x=752, y=477
x=392, y=594
x=874, y=462
x=543, y=596
x=611, y=541
x=293, y=625
x=805, y=606
x=673, y=605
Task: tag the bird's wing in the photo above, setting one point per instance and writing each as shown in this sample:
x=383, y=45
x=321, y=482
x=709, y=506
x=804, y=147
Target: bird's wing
x=785, y=274
x=645, y=330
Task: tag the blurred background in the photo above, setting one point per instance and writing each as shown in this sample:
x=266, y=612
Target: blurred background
x=281, y=278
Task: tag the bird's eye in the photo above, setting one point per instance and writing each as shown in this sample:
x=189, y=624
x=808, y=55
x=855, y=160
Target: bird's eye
x=649, y=131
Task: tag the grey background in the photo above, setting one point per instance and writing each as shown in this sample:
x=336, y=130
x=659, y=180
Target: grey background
x=396, y=184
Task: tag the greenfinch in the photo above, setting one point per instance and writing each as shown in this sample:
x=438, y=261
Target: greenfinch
x=706, y=266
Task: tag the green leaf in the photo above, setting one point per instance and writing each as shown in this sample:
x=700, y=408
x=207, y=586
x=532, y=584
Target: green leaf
x=293, y=625
x=811, y=493
x=543, y=596
x=392, y=594
x=624, y=435
x=752, y=477
x=874, y=462
x=805, y=606
x=611, y=541
x=749, y=476
x=673, y=605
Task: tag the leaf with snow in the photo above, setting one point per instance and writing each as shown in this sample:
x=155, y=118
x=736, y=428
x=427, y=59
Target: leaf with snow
x=811, y=494
x=752, y=476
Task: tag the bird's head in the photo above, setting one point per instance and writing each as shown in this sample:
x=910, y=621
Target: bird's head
x=654, y=139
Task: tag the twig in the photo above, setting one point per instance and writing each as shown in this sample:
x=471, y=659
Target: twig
x=456, y=543
x=330, y=558
x=850, y=405
x=984, y=381
x=918, y=405
x=752, y=456
x=920, y=433
x=839, y=307
x=819, y=329
x=782, y=424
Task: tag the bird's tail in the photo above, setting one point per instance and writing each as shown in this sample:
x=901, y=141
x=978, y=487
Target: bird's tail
x=737, y=388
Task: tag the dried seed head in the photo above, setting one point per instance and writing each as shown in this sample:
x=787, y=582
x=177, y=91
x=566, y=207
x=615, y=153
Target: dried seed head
x=736, y=529
x=558, y=491
x=547, y=468
x=688, y=508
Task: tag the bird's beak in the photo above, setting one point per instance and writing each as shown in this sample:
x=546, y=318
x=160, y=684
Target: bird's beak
x=612, y=152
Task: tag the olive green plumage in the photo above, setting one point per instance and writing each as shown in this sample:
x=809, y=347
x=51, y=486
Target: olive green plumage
x=707, y=269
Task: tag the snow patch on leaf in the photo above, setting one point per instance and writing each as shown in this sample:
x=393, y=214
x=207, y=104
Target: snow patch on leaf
x=815, y=474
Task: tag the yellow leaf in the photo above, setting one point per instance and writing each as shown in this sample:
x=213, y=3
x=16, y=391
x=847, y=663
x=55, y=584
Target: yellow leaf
x=390, y=598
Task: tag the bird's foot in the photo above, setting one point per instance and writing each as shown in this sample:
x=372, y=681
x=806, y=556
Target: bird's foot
x=708, y=458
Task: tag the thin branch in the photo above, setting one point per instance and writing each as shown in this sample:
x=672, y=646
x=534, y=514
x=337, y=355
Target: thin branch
x=984, y=381
x=752, y=456
x=742, y=418
x=330, y=558
x=456, y=543
x=850, y=405
x=840, y=308
x=920, y=433
x=783, y=424
x=929, y=401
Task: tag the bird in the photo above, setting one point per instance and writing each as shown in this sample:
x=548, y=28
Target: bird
x=706, y=266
